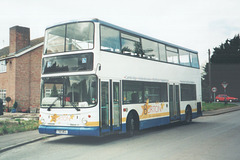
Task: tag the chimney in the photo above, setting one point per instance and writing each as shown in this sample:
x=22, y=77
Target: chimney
x=19, y=38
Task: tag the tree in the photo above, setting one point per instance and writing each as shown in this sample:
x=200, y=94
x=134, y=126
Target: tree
x=227, y=55
x=54, y=92
x=229, y=52
x=205, y=84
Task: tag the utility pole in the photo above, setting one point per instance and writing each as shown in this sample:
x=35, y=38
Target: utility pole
x=209, y=73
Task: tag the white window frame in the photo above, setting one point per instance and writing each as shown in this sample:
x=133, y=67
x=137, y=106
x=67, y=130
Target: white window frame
x=3, y=66
x=48, y=92
x=3, y=94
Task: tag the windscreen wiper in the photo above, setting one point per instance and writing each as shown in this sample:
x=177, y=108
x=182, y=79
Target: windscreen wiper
x=74, y=106
x=49, y=108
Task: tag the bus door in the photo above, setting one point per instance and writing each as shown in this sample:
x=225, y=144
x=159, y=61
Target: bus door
x=115, y=106
x=174, y=102
x=110, y=106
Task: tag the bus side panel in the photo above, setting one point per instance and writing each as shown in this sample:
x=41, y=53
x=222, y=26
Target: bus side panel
x=154, y=122
x=195, y=106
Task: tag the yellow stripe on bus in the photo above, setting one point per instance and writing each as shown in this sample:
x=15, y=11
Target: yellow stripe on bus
x=193, y=110
x=182, y=111
x=124, y=119
x=92, y=124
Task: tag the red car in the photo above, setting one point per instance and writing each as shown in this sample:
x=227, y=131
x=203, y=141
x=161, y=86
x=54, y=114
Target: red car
x=222, y=97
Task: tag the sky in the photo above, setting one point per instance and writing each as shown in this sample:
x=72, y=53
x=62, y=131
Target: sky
x=195, y=24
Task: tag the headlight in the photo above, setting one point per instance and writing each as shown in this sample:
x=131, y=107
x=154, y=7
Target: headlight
x=84, y=120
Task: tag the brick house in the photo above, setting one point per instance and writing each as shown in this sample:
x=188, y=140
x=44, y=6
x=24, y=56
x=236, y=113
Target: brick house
x=20, y=69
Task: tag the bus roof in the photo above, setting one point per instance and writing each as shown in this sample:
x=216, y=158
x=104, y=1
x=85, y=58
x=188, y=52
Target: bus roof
x=126, y=30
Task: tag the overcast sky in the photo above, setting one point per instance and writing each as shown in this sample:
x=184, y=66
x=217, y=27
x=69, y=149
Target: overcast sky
x=195, y=24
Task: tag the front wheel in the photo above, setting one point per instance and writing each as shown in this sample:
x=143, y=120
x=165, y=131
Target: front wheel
x=131, y=126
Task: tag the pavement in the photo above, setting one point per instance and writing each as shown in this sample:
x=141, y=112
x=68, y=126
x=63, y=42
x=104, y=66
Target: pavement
x=221, y=111
x=11, y=141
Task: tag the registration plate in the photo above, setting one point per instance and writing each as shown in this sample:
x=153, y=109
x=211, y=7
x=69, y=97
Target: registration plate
x=61, y=131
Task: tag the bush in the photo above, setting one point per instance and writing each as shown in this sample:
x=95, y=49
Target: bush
x=18, y=125
x=15, y=105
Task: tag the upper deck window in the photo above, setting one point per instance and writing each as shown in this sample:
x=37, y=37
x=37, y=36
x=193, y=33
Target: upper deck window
x=69, y=37
x=150, y=48
x=68, y=63
x=162, y=52
x=184, y=58
x=110, y=39
x=124, y=42
x=172, y=55
x=194, y=60
x=131, y=45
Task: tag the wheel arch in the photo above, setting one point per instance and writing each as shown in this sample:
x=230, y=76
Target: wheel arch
x=188, y=107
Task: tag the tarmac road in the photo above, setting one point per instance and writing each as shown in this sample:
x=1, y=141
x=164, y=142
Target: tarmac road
x=208, y=137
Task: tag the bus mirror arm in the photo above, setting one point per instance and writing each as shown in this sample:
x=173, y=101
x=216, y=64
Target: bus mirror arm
x=99, y=67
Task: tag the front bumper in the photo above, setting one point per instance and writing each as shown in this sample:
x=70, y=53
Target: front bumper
x=79, y=131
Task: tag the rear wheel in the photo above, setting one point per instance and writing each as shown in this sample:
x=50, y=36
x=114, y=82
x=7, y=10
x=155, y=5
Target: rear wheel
x=188, y=115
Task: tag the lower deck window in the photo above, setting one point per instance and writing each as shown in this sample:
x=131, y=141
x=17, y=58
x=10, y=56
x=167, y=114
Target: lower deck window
x=69, y=91
x=188, y=92
x=140, y=92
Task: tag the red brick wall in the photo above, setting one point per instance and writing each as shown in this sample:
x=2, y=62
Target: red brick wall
x=19, y=38
x=22, y=79
x=36, y=63
x=7, y=80
x=28, y=77
x=23, y=76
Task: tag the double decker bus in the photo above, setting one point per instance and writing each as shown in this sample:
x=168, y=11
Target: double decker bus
x=100, y=79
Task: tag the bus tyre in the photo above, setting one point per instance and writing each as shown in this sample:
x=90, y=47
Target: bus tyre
x=131, y=126
x=188, y=115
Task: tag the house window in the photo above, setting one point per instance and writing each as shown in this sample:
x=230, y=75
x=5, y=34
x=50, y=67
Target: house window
x=48, y=92
x=3, y=66
x=3, y=95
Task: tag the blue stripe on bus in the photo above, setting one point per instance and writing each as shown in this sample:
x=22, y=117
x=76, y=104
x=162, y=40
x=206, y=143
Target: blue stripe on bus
x=95, y=131
x=81, y=131
x=160, y=121
x=194, y=115
x=154, y=122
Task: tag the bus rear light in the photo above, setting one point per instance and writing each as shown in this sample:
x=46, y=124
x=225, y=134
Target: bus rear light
x=39, y=115
x=89, y=116
x=125, y=109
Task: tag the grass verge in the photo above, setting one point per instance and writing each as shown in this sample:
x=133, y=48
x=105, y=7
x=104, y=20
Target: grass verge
x=215, y=106
x=17, y=125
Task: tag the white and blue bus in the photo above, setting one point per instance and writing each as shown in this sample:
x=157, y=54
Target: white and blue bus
x=100, y=79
